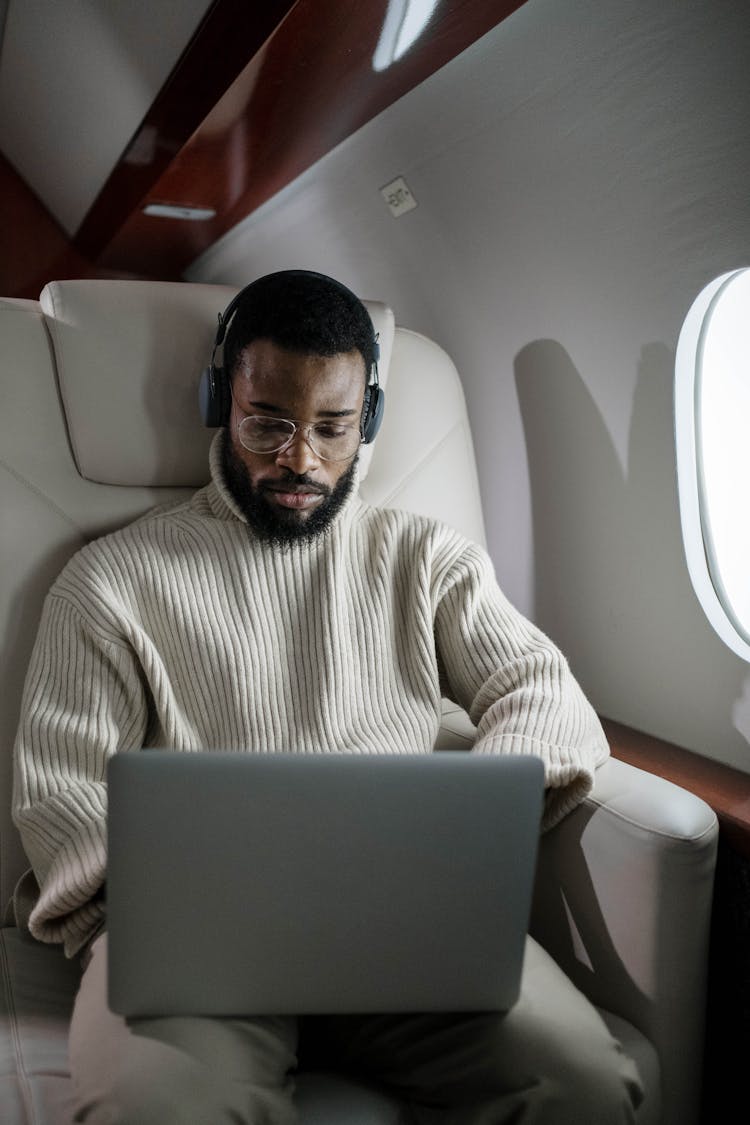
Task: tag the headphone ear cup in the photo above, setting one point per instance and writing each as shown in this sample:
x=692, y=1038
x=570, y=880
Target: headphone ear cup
x=214, y=400
x=373, y=412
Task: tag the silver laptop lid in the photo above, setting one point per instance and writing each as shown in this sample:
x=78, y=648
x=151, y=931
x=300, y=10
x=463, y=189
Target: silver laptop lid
x=273, y=883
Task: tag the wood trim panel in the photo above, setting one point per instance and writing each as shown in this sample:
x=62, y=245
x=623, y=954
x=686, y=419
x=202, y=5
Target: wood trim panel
x=231, y=32
x=289, y=98
x=725, y=789
x=35, y=247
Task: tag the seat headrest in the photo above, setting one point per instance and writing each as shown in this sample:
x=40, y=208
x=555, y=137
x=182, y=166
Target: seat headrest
x=129, y=355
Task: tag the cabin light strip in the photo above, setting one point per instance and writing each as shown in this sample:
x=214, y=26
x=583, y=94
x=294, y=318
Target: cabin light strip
x=178, y=211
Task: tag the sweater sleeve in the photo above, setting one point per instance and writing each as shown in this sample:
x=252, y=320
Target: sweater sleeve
x=515, y=684
x=83, y=701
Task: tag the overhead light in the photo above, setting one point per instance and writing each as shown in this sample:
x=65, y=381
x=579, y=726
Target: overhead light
x=404, y=22
x=177, y=211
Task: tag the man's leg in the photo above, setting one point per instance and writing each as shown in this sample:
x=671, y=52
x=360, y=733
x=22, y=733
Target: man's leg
x=179, y=1070
x=549, y=1061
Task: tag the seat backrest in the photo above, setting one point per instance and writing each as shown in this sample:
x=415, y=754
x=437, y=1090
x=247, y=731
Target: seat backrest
x=100, y=422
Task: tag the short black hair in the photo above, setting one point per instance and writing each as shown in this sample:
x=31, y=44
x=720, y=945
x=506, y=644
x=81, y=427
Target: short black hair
x=303, y=312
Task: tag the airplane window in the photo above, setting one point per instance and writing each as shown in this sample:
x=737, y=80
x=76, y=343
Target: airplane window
x=712, y=414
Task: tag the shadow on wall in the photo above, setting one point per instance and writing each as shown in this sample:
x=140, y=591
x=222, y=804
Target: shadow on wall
x=611, y=583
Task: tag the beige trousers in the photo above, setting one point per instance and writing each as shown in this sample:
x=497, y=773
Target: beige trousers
x=550, y=1061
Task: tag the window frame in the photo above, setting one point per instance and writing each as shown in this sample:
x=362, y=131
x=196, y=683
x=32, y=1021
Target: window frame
x=702, y=562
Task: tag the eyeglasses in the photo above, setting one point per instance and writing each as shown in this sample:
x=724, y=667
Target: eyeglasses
x=331, y=441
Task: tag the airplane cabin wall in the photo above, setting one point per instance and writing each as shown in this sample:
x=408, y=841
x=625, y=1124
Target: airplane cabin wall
x=581, y=173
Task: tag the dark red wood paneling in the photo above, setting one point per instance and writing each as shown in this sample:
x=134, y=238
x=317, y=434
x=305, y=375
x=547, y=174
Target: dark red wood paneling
x=303, y=92
x=231, y=32
x=35, y=249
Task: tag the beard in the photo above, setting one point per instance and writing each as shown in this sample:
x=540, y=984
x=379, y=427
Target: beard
x=277, y=525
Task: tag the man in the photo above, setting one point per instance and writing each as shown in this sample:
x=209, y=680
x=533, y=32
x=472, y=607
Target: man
x=275, y=610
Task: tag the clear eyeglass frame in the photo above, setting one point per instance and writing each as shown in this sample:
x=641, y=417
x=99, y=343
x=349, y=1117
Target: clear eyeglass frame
x=348, y=440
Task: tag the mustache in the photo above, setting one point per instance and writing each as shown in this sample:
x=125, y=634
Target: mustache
x=294, y=482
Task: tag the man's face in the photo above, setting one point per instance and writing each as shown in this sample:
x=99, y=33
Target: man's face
x=293, y=493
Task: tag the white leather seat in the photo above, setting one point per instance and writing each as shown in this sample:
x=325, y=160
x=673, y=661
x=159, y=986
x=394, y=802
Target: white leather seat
x=99, y=423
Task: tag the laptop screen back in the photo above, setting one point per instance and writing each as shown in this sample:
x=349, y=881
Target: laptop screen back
x=242, y=884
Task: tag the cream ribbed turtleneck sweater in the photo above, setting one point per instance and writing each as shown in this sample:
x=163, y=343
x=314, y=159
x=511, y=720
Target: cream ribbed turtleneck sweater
x=186, y=631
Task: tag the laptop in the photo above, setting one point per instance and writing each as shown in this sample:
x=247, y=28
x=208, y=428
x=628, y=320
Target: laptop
x=248, y=883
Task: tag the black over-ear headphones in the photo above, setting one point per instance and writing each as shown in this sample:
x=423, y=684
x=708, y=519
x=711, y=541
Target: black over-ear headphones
x=214, y=390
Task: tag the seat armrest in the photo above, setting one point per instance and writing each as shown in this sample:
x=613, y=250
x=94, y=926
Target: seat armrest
x=623, y=903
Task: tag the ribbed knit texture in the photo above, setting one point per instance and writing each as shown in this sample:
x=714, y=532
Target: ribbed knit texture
x=185, y=631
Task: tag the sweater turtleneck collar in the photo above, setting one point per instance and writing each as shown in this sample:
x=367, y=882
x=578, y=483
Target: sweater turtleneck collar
x=224, y=506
